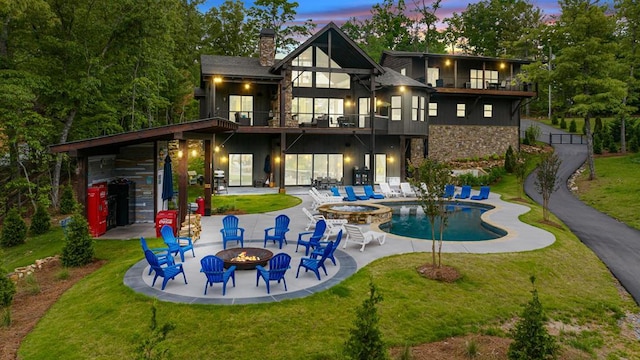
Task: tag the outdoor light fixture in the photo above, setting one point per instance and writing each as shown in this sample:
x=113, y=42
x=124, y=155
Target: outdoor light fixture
x=180, y=154
x=217, y=80
x=347, y=159
x=390, y=159
x=447, y=62
x=223, y=159
x=277, y=159
x=502, y=65
x=402, y=88
x=247, y=86
x=216, y=149
x=194, y=152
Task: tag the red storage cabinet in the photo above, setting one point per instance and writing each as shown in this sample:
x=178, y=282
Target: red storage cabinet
x=97, y=210
x=167, y=217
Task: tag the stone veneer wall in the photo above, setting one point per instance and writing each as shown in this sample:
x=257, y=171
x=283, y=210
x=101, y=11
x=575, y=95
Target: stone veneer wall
x=451, y=142
x=417, y=151
x=267, y=45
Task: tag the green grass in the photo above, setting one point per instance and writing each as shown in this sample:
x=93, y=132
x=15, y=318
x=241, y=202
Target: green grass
x=100, y=317
x=248, y=204
x=614, y=191
x=34, y=248
x=579, y=123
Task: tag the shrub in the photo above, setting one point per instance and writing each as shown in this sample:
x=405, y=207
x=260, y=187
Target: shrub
x=597, y=128
x=607, y=139
x=597, y=144
x=67, y=201
x=14, y=229
x=509, y=160
x=613, y=148
x=531, y=339
x=78, y=249
x=554, y=120
x=153, y=346
x=7, y=292
x=573, y=126
x=365, y=340
x=634, y=145
x=41, y=221
x=563, y=123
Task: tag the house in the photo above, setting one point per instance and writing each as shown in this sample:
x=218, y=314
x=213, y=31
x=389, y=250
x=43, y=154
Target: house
x=327, y=110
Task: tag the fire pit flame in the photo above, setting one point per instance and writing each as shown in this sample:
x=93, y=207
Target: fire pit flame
x=242, y=257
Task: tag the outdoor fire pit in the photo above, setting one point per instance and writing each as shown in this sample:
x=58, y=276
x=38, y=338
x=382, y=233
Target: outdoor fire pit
x=245, y=258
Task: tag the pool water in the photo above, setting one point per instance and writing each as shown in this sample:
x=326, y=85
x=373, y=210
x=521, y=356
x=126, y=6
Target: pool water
x=464, y=222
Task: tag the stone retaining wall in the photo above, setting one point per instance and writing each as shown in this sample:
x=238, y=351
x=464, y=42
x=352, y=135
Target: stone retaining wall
x=449, y=142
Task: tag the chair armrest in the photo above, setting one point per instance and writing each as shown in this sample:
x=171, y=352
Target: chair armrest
x=188, y=239
x=300, y=235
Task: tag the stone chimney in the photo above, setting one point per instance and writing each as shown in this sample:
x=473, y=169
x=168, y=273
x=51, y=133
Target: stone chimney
x=267, y=47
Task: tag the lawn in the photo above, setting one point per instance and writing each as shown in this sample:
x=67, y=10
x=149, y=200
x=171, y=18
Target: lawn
x=101, y=318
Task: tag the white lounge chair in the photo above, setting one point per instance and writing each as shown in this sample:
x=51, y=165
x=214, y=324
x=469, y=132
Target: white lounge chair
x=321, y=200
x=313, y=219
x=388, y=191
x=355, y=235
x=333, y=225
x=407, y=190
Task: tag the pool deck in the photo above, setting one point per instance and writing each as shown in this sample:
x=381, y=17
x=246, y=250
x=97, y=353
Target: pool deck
x=521, y=237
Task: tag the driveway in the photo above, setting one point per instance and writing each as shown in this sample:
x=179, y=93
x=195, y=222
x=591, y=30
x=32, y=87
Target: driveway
x=615, y=243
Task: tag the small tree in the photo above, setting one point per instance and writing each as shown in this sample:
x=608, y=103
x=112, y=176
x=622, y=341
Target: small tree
x=7, y=291
x=521, y=166
x=365, y=341
x=67, y=201
x=563, y=123
x=573, y=126
x=546, y=181
x=78, y=249
x=41, y=221
x=152, y=347
x=597, y=144
x=14, y=229
x=532, y=341
x=429, y=180
x=509, y=160
x=532, y=134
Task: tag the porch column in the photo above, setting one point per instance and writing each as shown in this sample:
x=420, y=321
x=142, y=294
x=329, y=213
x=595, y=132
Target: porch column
x=182, y=181
x=283, y=145
x=207, y=177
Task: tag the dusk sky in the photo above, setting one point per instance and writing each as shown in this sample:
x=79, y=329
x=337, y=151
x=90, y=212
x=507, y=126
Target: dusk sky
x=338, y=11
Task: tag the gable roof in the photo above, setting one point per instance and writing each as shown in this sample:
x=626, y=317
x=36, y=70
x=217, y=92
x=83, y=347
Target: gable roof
x=235, y=67
x=344, y=51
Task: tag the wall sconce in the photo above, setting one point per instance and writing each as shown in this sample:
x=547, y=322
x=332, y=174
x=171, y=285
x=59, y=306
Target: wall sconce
x=216, y=149
x=247, y=86
x=502, y=65
x=447, y=62
x=217, y=79
x=402, y=88
x=223, y=159
x=390, y=160
x=180, y=154
x=194, y=153
x=347, y=159
x=277, y=159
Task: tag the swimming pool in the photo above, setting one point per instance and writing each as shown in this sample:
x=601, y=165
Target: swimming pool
x=464, y=222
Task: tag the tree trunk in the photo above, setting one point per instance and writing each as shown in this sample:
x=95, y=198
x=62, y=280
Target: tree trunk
x=433, y=244
x=592, y=166
x=55, y=179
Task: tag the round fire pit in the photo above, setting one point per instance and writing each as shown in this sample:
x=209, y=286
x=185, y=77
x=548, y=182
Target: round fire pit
x=245, y=258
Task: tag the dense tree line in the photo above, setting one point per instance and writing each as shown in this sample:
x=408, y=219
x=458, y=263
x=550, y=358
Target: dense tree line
x=73, y=69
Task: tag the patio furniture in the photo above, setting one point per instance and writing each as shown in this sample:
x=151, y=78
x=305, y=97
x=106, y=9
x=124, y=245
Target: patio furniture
x=483, y=195
x=314, y=237
x=277, y=232
x=368, y=191
x=166, y=273
x=319, y=199
x=176, y=244
x=387, y=191
x=163, y=255
x=213, y=269
x=313, y=219
x=319, y=251
x=351, y=195
x=315, y=264
x=231, y=232
x=335, y=191
x=465, y=192
x=449, y=191
x=407, y=190
x=355, y=235
x=278, y=266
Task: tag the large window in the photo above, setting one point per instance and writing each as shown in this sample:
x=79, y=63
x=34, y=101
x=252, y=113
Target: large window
x=380, y=172
x=461, y=110
x=240, y=169
x=417, y=107
x=301, y=168
x=363, y=111
x=433, y=74
x=396, y=108
x=240, y=106
x=478, y=81
x=309, y=108
x=323, y=79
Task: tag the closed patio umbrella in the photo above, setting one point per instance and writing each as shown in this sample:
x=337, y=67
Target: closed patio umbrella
x=167, y=180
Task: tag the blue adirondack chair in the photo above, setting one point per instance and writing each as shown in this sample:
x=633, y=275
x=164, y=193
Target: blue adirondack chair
x=368, y=191
x=231, y=232
x=483, y=195
x=177, y=245
x=449, y=191
x=309, y=263
x=278, y=266
x=314, y=237
x=213, y=269
x=351, y=195
x=465, y=192
x=166, y=273
x=163, y=255
x=278, y=232
x=319, y=251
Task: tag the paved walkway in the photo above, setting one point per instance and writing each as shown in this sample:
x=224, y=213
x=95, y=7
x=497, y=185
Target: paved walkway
x=615, y=243
x=521, y=237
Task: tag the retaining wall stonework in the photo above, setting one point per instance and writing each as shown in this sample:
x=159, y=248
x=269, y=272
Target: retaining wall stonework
x=447, y=142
